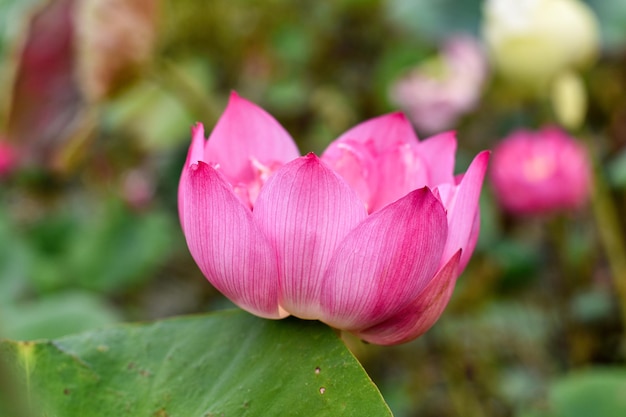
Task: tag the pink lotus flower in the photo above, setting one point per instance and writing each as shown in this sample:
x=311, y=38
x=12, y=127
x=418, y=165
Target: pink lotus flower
x=540, y=172
x=369, y=238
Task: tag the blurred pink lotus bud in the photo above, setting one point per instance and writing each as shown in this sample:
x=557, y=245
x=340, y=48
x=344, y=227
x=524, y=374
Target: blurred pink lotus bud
x=540, y=172
x=369, y=238
x=437, y=93
x=8, y=158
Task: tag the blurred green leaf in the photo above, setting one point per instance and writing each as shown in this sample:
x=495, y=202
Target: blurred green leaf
x=14, y=260
x=396, y=61
x=519, y=261
x=612, y=15
x=119, y=248
x=616, y=170
x=55, y=315
x=436, y=19
x=223, y=364
x=593, y=305
x=13, y=18
x=153, y=114
x=594, y=392
x=289, y=96
x=597, y=392
x=293, y=44
x=106, y=247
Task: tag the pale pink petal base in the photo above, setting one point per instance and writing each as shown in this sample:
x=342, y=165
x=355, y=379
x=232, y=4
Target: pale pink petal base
x=355, y=161
x=420, y=315
x=226, y=244
x=306, y=209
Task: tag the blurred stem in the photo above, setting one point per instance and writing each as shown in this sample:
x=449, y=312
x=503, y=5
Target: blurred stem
x=560, y=289
x=609, y=227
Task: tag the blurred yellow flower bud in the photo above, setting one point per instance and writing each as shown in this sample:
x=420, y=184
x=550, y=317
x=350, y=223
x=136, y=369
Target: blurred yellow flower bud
x=569, y=99
x=530, y=42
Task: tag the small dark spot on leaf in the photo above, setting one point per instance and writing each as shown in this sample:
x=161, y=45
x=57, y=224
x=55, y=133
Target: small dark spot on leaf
x=317, y=370
x=131, y=365
x=322, y=390
x=66, y=391
x=144, y=372
x=246, y=404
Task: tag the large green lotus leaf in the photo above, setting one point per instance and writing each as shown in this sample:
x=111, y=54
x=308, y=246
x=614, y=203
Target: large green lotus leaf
x=224, y=364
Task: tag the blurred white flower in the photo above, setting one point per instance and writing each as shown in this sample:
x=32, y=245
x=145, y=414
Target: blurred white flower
x=532, y=41
x=435, y=94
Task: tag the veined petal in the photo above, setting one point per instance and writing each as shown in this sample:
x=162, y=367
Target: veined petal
x=439, y=151
x=421, y=314
x=225, y=242
x=384, y=262
x=194, y=154
x=245, y=132
x=355, y=162
x=306, y=209
x=379, y=159
x=461, y=202
x=401, y=170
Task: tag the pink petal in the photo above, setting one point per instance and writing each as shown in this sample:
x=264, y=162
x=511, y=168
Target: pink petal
x=401, y=170
x=379, y=159
x=420, y=315
x=384, y=262
x=246, y=132
x=440, y=152
x=385, y=131
x=198, y=142
x=461, y=202
x=226, y=243
x=306, y=209
x=356, y=164
x=194, y=154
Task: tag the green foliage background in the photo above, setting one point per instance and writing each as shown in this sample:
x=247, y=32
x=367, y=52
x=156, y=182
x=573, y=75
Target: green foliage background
x=89, y=232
